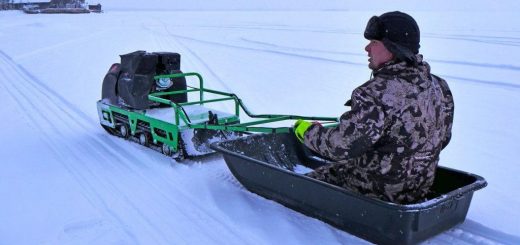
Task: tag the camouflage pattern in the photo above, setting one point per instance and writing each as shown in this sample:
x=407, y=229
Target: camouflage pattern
x=387, y=146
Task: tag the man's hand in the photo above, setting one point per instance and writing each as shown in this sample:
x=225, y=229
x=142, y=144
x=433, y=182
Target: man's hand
x=300, y=127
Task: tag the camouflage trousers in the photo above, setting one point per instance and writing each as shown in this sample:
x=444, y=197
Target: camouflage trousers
x=340, y=175
x=337, y=174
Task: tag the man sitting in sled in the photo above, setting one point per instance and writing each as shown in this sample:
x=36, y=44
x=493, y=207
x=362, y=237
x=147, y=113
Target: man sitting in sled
x=387, y=146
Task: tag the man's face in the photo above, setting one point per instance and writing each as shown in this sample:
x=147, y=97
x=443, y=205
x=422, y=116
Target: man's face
x=378, y=54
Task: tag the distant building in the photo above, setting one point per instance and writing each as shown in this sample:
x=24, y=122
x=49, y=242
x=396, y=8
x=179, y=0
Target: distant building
x=6, y=4
x=41, y=5
x=96, y=8
x=52, y=6
x=67, y=3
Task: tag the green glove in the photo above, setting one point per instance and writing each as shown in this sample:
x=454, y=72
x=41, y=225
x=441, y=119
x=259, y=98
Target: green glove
x=300, y=127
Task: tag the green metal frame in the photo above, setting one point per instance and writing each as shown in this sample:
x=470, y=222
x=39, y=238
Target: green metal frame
x=253, y=126
x=182, y=121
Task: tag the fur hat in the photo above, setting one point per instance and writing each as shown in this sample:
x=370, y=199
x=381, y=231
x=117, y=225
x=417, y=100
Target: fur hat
x=399, y=33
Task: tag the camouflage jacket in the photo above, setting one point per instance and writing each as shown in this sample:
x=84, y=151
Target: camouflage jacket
x=387, y=146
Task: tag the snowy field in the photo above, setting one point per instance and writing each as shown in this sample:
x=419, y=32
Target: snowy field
x=64, y=180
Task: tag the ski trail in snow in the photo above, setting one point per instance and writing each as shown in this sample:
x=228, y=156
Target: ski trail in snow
x=503, y=41
x=54, y=109
x=475, y=64
x=205, y=65
x=36, y=113
x=515, y=39
x=270, y=27
x=167, y=43
x=59, y=45
x=473, y=233
x=56, y=142
x=479, y=230
x=309, y=50
x=477, y=81
x=506, y=85
x=492, y=83
x=226, y=176
x=265, y=50
x=39, y=114
x=49, y=93
x=454, y=62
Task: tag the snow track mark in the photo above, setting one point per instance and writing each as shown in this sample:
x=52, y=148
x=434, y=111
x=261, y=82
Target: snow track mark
x=59, y=45
x=24, y=92
x=86, y=176
x=168, y=42
x=62, y=120
x=266, y=50
x=497, y=40
x=283, y=52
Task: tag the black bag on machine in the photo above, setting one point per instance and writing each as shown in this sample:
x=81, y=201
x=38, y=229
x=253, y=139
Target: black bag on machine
x=129, y=83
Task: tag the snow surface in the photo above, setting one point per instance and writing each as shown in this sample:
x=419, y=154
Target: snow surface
x=64, y=180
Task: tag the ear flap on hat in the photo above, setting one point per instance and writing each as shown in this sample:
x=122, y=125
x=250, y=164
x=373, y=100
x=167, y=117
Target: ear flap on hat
x=401, y=53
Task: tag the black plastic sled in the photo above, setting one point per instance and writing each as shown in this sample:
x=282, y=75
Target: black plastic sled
x=270, y=165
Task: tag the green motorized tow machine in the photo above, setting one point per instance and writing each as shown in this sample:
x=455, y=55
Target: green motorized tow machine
x=145, y=99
